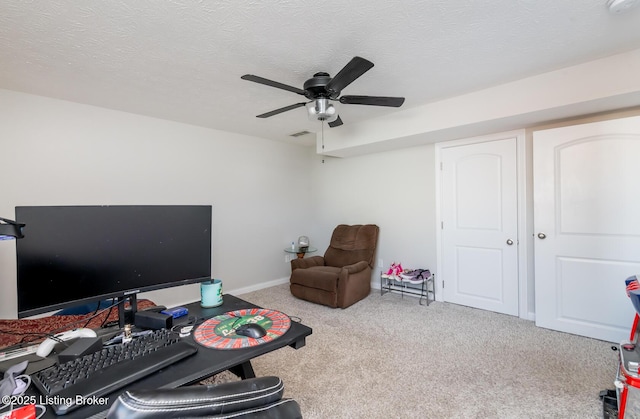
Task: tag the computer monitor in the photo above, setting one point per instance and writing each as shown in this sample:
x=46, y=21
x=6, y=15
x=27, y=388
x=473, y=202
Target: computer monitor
x=73, y=255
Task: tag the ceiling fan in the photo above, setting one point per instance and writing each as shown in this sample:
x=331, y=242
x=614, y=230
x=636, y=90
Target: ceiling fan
x=321, y=89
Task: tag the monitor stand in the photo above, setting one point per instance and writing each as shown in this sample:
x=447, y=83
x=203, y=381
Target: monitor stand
x=127, y=316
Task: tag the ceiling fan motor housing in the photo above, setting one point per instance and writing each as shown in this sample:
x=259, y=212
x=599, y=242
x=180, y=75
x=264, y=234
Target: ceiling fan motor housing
x=315, y=87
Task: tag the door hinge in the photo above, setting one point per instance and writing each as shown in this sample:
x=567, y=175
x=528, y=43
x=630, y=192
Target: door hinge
x=440, y=166
x=441, y=225
x=443, y=283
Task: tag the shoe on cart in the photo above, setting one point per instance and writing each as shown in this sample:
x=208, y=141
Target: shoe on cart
x=417, y=276
x=394, y=272
x=391, y=272
x=398, y=272
x=409, y=274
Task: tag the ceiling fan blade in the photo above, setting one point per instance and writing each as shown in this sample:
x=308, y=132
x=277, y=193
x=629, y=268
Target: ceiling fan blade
x=262, y=80
x=354, y=69
x=335, y=123
x=395, y=102
x=277, y=111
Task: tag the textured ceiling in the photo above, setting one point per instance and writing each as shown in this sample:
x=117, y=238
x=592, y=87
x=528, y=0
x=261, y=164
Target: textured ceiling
x=182, y=60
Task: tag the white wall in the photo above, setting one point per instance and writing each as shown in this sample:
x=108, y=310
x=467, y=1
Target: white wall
x=264, y=194
x=394, y=190
x=397, y=190
x=62, y=153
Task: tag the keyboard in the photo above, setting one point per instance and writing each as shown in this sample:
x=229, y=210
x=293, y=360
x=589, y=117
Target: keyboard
x=110, y=369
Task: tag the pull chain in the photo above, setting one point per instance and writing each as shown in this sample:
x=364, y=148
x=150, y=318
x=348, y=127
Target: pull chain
x=322, y=131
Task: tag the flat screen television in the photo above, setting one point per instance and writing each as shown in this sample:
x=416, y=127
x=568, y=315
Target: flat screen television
x=73, y=255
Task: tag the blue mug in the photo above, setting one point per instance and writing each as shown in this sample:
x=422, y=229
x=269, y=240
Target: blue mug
x=211, y=293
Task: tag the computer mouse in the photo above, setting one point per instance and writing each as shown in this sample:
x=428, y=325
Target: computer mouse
x=252, y=330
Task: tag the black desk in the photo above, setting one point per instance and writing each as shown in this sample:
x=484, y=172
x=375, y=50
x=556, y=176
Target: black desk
x=205, y=363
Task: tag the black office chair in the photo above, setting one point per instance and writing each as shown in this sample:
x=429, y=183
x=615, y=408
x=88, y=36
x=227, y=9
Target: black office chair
x=251, y=398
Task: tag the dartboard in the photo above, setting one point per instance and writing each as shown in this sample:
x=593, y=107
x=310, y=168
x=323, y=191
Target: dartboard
x=219, y=332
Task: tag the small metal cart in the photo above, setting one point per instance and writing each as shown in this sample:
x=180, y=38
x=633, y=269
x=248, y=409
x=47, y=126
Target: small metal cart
x=424, y=288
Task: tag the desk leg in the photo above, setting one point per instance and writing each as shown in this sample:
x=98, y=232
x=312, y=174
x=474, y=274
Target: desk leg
x=244, y=370
x=298, y=343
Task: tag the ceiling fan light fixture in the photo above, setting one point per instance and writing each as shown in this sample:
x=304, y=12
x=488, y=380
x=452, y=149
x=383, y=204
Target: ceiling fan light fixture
x=322, y=110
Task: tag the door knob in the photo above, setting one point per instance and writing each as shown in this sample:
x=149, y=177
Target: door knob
x=509, y=242
x=542, y=236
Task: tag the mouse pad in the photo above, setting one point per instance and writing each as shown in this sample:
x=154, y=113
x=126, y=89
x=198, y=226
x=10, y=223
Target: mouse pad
x=219, y=332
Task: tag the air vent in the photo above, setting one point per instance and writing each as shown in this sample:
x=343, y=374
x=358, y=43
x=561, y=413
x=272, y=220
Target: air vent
x=298, y=134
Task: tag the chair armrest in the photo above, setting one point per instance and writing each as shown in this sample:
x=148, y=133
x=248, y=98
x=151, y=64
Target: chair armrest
x=356, y=267
x=307, y=262
x=255, y=395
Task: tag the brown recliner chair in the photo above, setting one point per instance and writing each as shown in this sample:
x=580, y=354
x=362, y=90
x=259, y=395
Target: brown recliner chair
x=343, y=276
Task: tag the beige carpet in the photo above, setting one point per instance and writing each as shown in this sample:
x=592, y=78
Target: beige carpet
x=390, y=357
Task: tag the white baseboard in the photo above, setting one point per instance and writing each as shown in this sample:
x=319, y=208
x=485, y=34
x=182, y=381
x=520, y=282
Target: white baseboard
x=256, y=287
x=529, y=315
x=225, y=290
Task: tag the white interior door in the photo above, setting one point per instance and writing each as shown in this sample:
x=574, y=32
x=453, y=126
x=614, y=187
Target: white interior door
x=587, y=226
x=479, y=225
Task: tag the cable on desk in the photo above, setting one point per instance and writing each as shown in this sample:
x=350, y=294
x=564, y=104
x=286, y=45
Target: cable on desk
x=185, y=329
x=26, y=382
